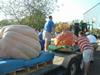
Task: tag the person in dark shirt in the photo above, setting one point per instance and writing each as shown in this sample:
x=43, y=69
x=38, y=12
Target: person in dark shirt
x=76, y=29
x=41, y=39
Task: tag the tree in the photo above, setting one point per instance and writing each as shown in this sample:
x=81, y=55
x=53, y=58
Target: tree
x=13, y=8
x=37, y=20
x=35, y=11
x=7, y=22
x=4, y=22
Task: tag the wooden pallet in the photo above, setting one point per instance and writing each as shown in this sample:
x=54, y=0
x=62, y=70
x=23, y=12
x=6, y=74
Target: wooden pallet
x=25, y=71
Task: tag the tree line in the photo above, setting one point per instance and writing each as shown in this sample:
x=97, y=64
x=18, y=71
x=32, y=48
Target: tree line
x=27, y=12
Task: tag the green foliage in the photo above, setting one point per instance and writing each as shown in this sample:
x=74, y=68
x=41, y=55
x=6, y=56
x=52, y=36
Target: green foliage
x=4, y=22
x=36, y=21
x=8, y=22
x=28, y=12
x=39, y=20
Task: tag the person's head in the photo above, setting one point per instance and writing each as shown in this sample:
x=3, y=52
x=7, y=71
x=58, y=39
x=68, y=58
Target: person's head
x=50, y=17
x=81, y=33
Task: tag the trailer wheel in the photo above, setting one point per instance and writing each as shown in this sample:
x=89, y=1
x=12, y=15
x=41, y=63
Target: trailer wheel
x=72, y=68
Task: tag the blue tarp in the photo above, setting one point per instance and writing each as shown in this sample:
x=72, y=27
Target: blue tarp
x=10, y=65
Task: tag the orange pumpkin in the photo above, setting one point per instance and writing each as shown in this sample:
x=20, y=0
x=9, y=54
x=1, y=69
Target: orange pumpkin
x=67, y=38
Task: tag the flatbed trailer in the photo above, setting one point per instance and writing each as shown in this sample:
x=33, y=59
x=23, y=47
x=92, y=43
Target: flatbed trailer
x=60, y=66
x=64, y=63
x=25, y=67
x=71, y=61
x=48, y=63
x=50, y=70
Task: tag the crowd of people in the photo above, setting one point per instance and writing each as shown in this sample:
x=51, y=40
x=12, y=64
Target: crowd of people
x=85, y=40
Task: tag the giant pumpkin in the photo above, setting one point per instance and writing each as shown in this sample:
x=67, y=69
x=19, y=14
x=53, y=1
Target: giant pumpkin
x=67, y=38
x=19, y=41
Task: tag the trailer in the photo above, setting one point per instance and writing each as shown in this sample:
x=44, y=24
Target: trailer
x=70, y=58
x=64, y=63
x=71, y=61
x=25, y=67
x=48, y=63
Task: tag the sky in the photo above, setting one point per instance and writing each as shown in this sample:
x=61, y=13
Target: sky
x=72, y=9
x=69, y=9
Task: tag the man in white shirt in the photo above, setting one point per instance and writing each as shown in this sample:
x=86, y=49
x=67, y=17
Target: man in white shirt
x=91, y=37
x=93, y=41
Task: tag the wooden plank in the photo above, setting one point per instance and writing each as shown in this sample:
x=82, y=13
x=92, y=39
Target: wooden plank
x=25, y=71
x=42, y=71
x=13, y=73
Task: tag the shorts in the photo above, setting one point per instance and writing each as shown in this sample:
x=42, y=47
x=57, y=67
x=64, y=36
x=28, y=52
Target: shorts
x=46, y=36
x=87, y=55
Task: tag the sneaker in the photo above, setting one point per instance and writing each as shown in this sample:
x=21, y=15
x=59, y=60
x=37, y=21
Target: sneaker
x=46, y=50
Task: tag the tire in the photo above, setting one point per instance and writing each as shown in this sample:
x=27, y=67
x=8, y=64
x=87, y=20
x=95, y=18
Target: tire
x=72, y=67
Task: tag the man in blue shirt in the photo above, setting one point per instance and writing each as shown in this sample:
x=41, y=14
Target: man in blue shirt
x=48, y=28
